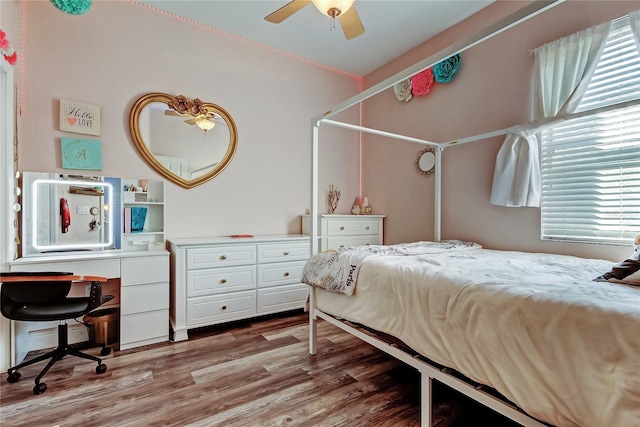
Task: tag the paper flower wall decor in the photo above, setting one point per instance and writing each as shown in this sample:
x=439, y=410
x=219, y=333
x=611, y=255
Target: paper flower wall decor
x=72, y=7
x=7, y=51
x=444, y=71
x=422, y=82
x=403, y=90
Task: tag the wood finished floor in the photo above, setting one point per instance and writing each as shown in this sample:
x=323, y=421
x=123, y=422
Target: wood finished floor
x=252, y=373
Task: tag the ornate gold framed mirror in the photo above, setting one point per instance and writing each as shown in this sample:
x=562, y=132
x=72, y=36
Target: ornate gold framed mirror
x=187, y=141
x=426, y=161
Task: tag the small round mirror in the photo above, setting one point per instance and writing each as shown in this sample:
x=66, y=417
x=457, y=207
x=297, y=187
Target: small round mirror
x=426, y=161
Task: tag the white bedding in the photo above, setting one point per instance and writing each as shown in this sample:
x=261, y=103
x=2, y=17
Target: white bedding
x=533, y=326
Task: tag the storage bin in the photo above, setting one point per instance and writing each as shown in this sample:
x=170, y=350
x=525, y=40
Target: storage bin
x=106, y=325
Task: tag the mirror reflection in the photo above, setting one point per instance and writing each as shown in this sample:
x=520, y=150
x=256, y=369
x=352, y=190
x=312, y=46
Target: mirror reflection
x=187, y=141
x=69, y=212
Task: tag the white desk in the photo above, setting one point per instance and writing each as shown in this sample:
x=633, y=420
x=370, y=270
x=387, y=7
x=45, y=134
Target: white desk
x=144, y=296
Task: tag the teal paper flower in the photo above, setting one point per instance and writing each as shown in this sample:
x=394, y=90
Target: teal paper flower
x=72, y=7
x=444, y=71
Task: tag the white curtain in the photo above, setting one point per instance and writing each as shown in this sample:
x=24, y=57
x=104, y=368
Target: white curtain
x=563, y=71
x=634, y=21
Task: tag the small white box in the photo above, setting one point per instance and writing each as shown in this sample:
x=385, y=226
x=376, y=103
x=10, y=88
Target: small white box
x=155, y=246
x=134, y=196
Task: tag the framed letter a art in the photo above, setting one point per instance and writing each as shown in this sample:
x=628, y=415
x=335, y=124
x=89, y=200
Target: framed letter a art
x=79, y=117
x=81, y=153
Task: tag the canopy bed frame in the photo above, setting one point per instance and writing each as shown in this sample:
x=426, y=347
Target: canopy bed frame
x=429, y=371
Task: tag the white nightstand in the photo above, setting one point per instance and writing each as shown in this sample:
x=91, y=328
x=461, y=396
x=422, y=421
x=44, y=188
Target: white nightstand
x=346, y=230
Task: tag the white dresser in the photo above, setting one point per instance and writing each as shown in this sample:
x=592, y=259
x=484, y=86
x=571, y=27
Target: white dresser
x=337, y=231
x=144, y=295
x=220, y=279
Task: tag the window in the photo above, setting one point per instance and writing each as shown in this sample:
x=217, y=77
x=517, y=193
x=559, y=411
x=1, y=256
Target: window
x=590, y=166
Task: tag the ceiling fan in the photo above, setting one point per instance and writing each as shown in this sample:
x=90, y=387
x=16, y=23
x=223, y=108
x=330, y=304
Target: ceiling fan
x=344, y=10
x=204, y=121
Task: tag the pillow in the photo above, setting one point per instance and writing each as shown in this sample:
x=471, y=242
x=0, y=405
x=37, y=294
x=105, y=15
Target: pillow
x=627, y=271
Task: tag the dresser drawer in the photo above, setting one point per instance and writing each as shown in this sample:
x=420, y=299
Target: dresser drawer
x=220, y=308
x=280, y=274
x=341, y=242
x=279, y=252
x=220, y=280
x=144, y=328
x=220, y=256
x=141, y=298
x=137, y=270
x=282, y=298
x=350, y=227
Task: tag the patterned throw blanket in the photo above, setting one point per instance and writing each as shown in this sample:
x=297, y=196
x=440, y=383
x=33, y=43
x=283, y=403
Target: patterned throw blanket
x=337, y=271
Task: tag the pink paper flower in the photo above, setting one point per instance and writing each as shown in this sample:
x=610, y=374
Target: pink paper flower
x=422, y=82
x=12, y=59
x=6, y=50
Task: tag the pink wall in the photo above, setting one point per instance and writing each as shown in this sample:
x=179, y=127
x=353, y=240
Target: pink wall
x=491, y=91
x=119, y=50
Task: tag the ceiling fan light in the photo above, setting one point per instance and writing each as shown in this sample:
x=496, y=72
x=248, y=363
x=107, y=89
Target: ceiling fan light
x=333, y=8
x=205, y=124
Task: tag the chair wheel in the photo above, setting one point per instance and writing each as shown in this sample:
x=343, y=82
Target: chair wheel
x=14, y=377
x=101, y=368
x=105, y=351
x=39, y=388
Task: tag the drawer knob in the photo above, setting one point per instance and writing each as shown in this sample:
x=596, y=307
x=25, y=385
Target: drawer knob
x=224, y=307
x=285, y=253
x=223, y=281
x=342, y=227
x=286, y=274
x=342, y=246
x=367, y=227
x=223, y=257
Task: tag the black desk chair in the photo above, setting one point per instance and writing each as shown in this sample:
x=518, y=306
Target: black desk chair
x=43, y=296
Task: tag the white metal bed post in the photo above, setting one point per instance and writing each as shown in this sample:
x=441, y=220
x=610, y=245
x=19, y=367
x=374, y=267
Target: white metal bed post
x=313, y=213
x=437, y=202
x=426, y=407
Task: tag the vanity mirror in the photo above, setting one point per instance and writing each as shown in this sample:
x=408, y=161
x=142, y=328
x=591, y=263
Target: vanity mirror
x=69, y=213
x=188, y=141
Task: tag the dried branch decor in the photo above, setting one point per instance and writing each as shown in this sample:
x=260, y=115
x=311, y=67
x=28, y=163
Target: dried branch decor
x=333, y=197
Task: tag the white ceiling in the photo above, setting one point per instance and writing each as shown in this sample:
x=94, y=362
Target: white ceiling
x=392, y=27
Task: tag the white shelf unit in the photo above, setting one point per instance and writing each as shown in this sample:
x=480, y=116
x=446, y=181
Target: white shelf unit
x=152, y=235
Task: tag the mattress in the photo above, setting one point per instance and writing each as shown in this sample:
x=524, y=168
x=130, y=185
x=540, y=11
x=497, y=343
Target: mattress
x=535, y=327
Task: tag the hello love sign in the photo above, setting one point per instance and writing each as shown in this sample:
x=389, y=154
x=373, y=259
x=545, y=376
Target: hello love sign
x=79, y=117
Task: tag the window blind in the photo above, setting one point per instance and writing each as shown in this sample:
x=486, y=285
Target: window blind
x=590, y=167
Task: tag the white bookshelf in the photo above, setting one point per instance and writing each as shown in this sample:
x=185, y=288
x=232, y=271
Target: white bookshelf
x=152, y=235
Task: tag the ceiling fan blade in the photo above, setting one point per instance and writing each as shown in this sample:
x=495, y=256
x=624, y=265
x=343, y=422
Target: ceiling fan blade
x=191, y=121
x=351, y=23
x=286, y=11
x=172, y=113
